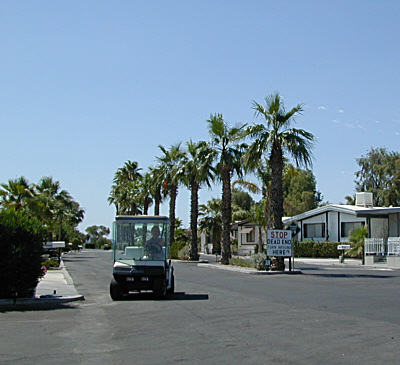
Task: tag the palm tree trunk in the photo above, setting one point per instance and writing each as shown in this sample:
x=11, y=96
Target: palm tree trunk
x=226, y=216
x=216, y=241
x=260, y=242
x=172, y=203
x=278, y=263
x=157, y=201
x=194, y=212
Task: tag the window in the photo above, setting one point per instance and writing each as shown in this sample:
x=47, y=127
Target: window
x=250, y=237
x=347, y=227
x=249, y=232
x=314, y=230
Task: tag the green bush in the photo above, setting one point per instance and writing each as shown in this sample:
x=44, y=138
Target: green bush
x=183, y=253
x=239, y=261
x=259, y=261
x=21, y=245
x=256, y=261
x=316, y=249
x=50, y=263
x=175, y=248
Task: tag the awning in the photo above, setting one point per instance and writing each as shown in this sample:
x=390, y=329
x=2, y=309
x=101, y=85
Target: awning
x=246, y=230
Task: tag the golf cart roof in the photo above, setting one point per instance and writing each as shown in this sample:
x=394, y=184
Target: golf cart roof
x=142, y=218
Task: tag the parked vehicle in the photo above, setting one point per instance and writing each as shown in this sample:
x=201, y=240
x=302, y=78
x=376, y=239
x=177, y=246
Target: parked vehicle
x=140, y=251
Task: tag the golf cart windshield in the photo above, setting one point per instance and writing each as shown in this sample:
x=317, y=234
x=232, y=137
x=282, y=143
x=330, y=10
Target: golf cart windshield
x=140, y=238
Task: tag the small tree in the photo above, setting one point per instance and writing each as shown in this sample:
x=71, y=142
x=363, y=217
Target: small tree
x=96, y=235
x=357, y=238
x=21, y=245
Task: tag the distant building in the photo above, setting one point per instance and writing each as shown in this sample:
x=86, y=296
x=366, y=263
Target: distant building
x=335, y=222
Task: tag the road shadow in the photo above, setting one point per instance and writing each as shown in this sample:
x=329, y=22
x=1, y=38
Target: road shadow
x=170, y=297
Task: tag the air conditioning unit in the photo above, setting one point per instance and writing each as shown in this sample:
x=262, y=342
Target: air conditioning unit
x=364, y=199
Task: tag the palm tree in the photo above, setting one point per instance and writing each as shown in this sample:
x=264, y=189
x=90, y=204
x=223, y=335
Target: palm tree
x=198, y=170
x=125, y=189
x=170, y=165
x=56, y=206
x=129, y=172
x=211, y=222
x=145, y=192
x=16, y=193
x=156, y=184
x=357, y=238
x=276, y=138
x=225, y=141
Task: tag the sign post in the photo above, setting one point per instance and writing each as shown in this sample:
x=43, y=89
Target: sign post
x=279, y=244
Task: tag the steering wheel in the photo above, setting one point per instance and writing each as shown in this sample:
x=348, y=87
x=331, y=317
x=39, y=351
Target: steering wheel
x=153, y=247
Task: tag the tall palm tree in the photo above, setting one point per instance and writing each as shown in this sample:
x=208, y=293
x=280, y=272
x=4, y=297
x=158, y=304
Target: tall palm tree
x=211, y=222
x=125, y=189
x=226, y=142
x=197, y=170
x=276, y=138
x=129, y=172
x=56, y=206
x=156, y=185
x=16, y=193
x=145, y=192
x=170, y=164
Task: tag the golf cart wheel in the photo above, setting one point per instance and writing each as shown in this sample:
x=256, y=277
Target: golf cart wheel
x=172, y=288
x=159, y=288
x=115, y=290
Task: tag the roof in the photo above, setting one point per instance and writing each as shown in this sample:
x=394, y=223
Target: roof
x=142, y=218
x=377, y=212
x=341, y=208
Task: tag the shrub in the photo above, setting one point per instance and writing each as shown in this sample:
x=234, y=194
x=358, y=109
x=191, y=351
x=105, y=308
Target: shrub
x=183, y=253
x=50, y=263
x=21, y=245
x=175, y=248
x=259, y=261
x=316, y=249
x=239, y=261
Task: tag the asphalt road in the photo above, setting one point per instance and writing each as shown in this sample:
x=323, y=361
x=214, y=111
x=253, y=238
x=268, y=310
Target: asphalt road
x=325, y=316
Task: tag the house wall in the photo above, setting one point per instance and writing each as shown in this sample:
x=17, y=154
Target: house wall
x=332, y=221
x=245, y=246
x=346, y=218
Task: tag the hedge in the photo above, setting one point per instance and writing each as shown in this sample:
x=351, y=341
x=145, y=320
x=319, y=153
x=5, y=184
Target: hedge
x=21, y=245
x=317, y=249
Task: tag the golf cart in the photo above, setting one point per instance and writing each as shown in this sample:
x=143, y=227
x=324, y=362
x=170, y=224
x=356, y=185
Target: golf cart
x=140, y=252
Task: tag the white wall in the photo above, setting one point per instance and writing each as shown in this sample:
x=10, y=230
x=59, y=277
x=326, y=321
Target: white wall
x=334, y=224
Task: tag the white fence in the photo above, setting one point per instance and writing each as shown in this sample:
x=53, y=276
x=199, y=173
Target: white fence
x=374, y=246
x=394, y=246
x=378, y=247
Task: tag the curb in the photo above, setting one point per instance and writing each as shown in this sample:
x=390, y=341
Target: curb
x=44, y=299
x=248, y=271
x=47, y=299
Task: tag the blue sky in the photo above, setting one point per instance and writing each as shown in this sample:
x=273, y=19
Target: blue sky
x=88, y=85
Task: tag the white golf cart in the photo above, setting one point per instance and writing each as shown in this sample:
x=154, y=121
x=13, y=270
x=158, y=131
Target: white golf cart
x=140, y=252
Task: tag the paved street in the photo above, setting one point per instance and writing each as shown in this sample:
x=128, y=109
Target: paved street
x=327, y=315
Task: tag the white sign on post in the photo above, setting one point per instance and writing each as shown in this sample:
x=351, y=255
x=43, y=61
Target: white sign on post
x=279, y=243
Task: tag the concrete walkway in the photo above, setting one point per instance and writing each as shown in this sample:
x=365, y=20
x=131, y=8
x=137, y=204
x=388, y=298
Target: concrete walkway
x=56, y=287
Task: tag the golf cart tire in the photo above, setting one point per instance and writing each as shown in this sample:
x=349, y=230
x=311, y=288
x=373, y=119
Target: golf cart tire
x=159, y=288
x=115, y=290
